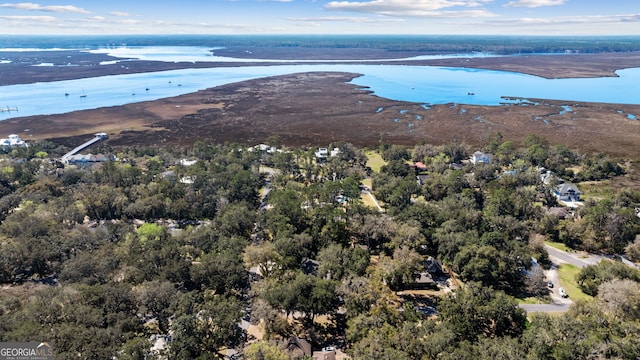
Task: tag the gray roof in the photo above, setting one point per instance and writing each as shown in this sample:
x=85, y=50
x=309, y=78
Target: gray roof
x=566, y=188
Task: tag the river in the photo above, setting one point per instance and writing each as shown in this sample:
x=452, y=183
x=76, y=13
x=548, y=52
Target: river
x=420, y=84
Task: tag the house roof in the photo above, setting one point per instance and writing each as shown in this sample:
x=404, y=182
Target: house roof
x=420, y=165
x=566, y=188
x=559, y=212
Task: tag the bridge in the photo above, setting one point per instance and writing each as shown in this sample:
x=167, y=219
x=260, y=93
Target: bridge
x=99, y=137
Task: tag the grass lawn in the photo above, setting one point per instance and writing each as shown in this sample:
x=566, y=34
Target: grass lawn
x=559, y=246
x=374, y=160
x=567, y=274
x=366, y=199
x=531, y=300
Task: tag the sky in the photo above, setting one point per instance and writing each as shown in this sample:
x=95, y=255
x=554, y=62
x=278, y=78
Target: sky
x=477, y=17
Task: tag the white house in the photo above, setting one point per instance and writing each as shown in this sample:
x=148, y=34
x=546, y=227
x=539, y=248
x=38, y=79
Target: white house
x=324, y=153
x=567, y=192
x=12, y=141
x=187, y=162
x=479, y=157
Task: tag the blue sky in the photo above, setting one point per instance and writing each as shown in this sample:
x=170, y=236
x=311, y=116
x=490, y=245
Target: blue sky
x=501, y=17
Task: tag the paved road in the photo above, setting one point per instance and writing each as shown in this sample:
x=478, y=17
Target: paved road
x=558, y=257
x=579, y=260
x=267, y=187
x=558, y=303
x=548, y=308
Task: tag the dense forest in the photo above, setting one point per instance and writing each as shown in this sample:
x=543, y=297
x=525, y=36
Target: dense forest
x=224, y=249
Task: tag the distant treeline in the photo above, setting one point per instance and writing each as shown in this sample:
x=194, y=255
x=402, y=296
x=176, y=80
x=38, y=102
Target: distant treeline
x=396, y=43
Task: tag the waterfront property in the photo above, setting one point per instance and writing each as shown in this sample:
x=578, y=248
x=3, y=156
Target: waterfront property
x=479, y=157
x=568, y=193
x=12, y=141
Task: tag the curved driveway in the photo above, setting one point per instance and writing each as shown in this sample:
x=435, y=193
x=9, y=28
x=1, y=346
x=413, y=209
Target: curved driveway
x=557, y=257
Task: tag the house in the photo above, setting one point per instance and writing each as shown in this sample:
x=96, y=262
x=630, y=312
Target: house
x=265, y=149
x=479, y=157
x=560, y=213
x=187, y=180
x=13, y=141
x=421, y=179
x=88, y=159
x=169, y=174
x=433, y=266
x=327, y=353
x=299, y=347
x=160, y=343
x=423, y=281
x=426, y=278
x=324, y=153
x=567, y=192
x=546, y=177
x=310, y=266
x=187, y=162
x=419, y=166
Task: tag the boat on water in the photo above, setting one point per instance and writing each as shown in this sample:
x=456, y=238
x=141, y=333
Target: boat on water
x=8, y=109
x=471, y=93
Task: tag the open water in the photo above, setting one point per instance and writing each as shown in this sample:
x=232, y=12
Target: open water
x=421, y=84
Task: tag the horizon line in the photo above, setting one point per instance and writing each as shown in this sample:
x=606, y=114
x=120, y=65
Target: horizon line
x=328, y=34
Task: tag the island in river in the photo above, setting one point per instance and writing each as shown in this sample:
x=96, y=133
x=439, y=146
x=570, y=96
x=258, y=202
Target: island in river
x=317, y=108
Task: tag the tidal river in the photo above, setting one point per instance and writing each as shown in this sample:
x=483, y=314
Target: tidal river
x=420, y=84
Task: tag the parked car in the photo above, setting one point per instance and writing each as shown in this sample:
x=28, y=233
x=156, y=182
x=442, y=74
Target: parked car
x=550, y=284
x=563, y=293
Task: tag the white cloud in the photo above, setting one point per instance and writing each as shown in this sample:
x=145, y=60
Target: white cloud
x=30, y=18
x=48, y=8
x=534, y=3
x=119, y=13
x=414, y=8
x=357, y=20
x=573, y=20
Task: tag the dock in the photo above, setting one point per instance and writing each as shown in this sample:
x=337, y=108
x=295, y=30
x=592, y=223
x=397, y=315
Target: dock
x=99, y=137
x=8, y=109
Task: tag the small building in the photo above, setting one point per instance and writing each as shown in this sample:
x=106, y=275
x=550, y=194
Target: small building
x=479, y=157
